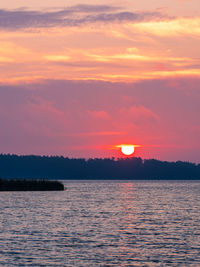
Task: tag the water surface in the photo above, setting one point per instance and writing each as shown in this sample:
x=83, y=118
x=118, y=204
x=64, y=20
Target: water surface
x=102, y=223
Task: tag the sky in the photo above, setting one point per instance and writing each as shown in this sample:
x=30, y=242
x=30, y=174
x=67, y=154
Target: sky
x=79, y=78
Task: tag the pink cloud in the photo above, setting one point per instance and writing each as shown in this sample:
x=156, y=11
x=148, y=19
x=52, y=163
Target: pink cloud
x=112, y=133
x=157, y=114
x=101, y=114
x=43, y=116
x=138, y=114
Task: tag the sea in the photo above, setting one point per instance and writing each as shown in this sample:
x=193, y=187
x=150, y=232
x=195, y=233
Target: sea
x=102, y=223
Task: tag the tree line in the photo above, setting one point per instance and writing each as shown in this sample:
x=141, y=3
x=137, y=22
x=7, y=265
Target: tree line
x=59, y=167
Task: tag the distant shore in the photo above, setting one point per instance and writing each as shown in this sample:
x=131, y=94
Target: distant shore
x=30, y=185
x=63, y=168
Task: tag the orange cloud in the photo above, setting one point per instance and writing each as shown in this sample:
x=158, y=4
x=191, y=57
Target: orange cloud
x=123, y=47
x=175, y=27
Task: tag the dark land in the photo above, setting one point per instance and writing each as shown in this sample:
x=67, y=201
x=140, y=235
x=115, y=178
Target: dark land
x=131, y=168
x=30, y=185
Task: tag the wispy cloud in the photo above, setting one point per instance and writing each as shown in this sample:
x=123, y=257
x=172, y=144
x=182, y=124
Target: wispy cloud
x=71, y=16
x=176, y=27
x=92, y=8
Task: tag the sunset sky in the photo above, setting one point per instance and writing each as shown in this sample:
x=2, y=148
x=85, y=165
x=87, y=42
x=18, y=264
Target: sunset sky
x=78, y=78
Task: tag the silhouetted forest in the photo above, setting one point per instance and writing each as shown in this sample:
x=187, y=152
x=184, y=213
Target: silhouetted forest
x=55, y=167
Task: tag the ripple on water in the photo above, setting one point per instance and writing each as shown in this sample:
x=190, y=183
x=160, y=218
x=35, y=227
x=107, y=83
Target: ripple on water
x=95, y=223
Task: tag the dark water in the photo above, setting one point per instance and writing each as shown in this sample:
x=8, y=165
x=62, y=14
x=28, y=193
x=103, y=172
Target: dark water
x=102, y=224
